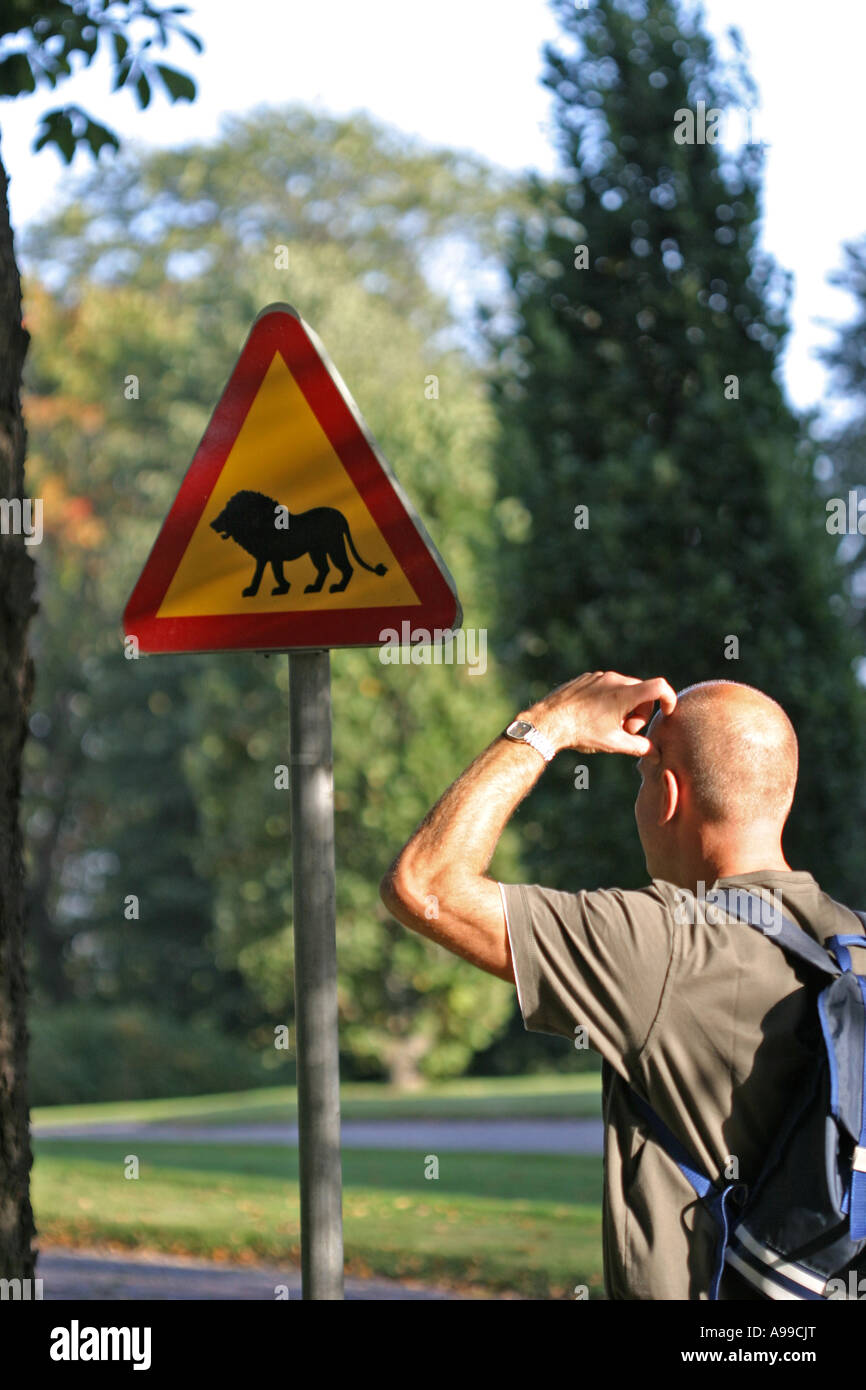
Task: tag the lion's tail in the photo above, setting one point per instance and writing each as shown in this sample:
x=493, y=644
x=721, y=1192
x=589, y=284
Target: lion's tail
x=374, y=569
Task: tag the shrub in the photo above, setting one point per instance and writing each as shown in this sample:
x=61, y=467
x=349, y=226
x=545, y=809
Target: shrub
x=84, y=1052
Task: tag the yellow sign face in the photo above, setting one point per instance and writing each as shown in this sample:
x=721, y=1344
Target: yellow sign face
x=289, y=532
x=282, y=459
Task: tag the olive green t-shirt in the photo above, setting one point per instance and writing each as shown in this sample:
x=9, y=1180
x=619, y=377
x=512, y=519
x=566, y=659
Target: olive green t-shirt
x=709, y=1021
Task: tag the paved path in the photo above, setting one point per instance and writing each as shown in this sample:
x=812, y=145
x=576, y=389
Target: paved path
x=431, y=1136
x=92, y=1275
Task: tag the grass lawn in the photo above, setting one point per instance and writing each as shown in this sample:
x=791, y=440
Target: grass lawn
x=528, y=1223
x=555, y=1096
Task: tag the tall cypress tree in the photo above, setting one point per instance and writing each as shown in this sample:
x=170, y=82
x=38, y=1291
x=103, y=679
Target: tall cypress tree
x=842, y=464
x=639, y=379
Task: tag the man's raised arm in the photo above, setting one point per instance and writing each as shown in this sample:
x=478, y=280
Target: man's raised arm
x=438, y=884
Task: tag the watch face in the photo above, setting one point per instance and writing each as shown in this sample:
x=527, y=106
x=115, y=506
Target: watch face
x=518, y=728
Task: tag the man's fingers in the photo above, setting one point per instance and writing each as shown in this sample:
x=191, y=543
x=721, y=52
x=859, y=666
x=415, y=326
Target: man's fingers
x=647, y=692
x=640, y=715
x=656, y=689
x=632, y=743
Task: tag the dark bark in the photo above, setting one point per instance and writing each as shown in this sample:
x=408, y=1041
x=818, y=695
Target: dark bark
x=17, y=1259
x=46, y=851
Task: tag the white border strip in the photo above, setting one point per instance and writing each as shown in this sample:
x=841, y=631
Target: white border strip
x=501, y=888
x=777, y=1265
x=757, y=1280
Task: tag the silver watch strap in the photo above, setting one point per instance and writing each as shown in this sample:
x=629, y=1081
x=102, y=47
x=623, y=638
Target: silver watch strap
x=542, y=745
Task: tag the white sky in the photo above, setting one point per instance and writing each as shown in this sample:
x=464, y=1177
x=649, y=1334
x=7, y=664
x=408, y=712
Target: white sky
x=465, y=73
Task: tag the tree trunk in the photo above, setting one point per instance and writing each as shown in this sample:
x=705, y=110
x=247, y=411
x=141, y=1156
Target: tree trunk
x=402, y=1058
x=17, y=1258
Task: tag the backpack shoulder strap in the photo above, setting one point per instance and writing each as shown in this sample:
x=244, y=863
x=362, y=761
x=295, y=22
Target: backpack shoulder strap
x=715, y=1198
x=840, y=943
x=748, y=907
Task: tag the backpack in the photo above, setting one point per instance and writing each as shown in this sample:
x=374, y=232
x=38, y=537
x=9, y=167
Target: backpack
x=800, y=1232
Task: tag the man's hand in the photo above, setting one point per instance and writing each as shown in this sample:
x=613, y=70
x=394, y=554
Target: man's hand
x=601, y=712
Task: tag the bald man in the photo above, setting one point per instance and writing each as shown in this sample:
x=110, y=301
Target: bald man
x=703, y=1016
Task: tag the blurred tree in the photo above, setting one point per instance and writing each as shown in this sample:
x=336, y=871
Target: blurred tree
x=842, y=464
x=116, y=911
x=38, y=42
x=638, y=378
x=158, y=268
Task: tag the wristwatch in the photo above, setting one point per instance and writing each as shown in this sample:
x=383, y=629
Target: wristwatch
x=521, y=731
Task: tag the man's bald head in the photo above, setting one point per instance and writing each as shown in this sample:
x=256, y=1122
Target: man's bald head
x=736, y=750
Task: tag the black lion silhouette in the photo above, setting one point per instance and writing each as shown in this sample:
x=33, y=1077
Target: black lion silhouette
x=272, y=535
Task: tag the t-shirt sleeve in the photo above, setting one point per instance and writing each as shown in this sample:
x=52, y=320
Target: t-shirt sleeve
x=594, y=960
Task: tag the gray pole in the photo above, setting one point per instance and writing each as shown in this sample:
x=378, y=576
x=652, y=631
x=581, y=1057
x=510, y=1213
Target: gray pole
x=312, y=782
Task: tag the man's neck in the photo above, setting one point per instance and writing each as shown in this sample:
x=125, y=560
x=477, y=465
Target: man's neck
x=706, y=862
x=736, y=866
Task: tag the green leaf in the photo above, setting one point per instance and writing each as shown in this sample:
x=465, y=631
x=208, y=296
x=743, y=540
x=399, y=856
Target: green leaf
x=142, y=86
x=97, y=136
x=59, y=67
x=192, y=39
x=16, y=75
x=56, y=129
x=88, y=43
x=121, y=74
x=70, y=127
x=121, y=48
x=177, y=84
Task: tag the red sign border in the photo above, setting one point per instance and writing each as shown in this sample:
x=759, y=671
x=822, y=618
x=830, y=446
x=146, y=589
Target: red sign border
x=280, y=328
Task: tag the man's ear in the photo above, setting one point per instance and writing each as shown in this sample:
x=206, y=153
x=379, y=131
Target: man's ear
x=670, y=797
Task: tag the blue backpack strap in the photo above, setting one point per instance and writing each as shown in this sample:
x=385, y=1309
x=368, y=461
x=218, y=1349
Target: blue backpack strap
x=857, y=1215
x=858, y=1176
x=715, y=1199
x=857, y=1195
x=786, y=934
x=839, y=946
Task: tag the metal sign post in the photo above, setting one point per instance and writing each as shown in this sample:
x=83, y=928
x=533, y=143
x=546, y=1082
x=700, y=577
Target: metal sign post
x=315, y=934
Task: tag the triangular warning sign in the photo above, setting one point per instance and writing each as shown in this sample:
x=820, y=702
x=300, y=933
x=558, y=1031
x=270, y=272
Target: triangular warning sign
x=289, y=530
